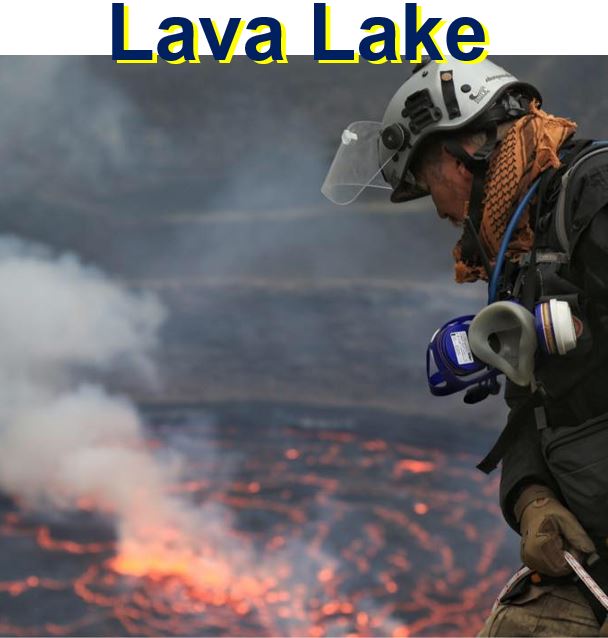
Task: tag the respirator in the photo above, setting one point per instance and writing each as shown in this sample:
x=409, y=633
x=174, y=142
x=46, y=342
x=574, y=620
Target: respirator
x=451, y=365
x=470, y=352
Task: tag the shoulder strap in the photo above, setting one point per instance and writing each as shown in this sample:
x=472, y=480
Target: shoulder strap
x=510, y=433
x=542, y=204
x=589, y=149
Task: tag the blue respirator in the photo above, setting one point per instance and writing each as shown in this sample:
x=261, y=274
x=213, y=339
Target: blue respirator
x=452, y=367
x=469, y=352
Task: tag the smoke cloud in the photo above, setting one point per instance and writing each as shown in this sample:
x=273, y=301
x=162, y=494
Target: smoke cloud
x=64, y=441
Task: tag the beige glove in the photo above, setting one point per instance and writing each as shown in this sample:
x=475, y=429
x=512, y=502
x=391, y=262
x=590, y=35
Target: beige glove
x=547, y=529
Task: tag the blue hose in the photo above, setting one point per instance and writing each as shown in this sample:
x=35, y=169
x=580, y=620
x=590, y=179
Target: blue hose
x=500, y=258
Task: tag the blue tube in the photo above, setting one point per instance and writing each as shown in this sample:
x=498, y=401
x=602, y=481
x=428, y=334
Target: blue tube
x=500, y=258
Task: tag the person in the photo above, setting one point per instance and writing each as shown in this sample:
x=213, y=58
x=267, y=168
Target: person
x=476, y=139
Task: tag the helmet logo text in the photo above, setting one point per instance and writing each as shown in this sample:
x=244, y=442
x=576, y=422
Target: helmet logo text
x=478, y=97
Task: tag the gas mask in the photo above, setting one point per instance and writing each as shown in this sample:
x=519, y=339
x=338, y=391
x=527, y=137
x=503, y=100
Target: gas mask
x=470, y=352
x=452, y=367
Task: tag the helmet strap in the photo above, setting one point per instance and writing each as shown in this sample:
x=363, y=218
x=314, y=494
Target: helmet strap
x=477, y=164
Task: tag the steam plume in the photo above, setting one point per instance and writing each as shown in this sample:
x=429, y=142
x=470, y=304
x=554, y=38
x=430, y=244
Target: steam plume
x=62, y=441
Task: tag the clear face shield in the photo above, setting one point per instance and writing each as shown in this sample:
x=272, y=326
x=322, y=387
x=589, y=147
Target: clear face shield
x=358, y=163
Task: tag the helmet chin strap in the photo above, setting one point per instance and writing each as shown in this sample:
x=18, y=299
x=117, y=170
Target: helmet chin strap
x=477, y=164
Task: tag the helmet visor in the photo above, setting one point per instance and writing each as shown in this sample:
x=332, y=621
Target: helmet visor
x=358, y=163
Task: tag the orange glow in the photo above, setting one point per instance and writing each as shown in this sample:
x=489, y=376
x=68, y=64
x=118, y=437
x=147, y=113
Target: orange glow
x=413, y=466
x=150, y=565
x=401, y=632
x=325, y=575
x=292, y=454
x=189, y=487
x=362, y=618
x=329, y=609
x=421, y=508
x=158, y=560
x=375, y=446
x=276, y=542
x=43, y=537
x=86, y=504
x=208, y=579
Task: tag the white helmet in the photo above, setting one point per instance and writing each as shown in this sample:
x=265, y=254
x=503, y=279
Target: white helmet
x=437, y=98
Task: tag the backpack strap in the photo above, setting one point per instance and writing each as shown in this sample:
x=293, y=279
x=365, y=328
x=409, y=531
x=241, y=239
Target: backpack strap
x=573, y=152
x=590, y=149
x=545, y=200
x=510, y=433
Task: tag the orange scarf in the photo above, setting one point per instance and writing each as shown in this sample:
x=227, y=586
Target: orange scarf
x=529, y=148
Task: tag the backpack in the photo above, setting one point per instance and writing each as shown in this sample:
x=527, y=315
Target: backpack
x=586, y=162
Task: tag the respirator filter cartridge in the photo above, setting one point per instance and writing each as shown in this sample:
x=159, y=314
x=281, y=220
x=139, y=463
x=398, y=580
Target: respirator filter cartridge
x=555, y=327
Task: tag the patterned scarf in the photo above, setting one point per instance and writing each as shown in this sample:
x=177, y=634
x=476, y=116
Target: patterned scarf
x=529, y=148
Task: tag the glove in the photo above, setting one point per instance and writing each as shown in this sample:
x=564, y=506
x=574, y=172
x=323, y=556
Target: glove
x=547, y=529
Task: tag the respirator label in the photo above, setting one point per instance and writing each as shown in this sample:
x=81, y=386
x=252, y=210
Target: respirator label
x=461, y=347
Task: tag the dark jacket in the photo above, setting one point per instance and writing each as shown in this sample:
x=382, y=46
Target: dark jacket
x=571, y=455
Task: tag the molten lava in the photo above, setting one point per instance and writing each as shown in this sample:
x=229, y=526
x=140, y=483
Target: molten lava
x=206, y=578
x=321, y=533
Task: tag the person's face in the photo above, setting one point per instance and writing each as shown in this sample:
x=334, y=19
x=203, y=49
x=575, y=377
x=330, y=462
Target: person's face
x=449, y=184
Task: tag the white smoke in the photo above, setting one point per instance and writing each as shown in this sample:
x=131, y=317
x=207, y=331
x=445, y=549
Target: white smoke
x=64, y=440
x=62, y=133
